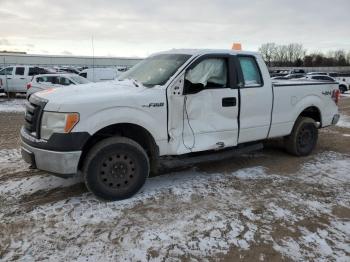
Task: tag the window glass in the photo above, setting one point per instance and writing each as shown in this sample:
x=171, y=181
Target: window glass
x=48, y=79
x=20, y=71
x=250, y=71
x=6, y=71
x=83, y=75
x=65, y=81
x=40, y=79
x=79, y=79
x=209, y=73
x=33, y=71
x=41, y=70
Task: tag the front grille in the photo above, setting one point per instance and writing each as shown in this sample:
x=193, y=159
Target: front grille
x=34, y=110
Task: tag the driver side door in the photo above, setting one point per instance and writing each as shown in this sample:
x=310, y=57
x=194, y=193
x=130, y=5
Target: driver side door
x=203, y=106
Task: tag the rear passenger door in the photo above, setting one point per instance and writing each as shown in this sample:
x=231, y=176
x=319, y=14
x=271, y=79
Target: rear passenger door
x=256, y=99
x=20, y=79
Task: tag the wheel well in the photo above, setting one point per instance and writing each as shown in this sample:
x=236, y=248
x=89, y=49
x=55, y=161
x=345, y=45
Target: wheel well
x=312, y=112
x=132, y=131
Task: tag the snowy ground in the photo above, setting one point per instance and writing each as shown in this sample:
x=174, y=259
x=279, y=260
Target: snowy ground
x=344, y=121
x=266, y=206
x=12, y=105
x=346, y=94
x=182, y=215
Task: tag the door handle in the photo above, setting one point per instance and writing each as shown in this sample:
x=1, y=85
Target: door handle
x=229, y=101
x=22, y=78
x=9, y=78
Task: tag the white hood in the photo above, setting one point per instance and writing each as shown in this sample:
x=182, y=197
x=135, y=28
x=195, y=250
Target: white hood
x=102, y=93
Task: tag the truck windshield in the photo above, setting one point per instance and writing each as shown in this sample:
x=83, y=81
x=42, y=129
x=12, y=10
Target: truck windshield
x=155, y=70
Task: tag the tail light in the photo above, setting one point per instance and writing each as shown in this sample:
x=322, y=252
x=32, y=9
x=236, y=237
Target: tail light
x=29, y=85
x=336, y=96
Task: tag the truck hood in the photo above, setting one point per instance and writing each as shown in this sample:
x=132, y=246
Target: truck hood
x=60, y=99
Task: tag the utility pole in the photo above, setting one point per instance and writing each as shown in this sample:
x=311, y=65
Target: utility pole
x=93, y=59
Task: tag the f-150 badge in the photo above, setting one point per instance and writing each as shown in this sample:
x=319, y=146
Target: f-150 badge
x=154, y=105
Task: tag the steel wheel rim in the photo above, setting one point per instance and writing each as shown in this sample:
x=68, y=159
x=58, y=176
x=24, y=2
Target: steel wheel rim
x=117, y=171
x=305, y=138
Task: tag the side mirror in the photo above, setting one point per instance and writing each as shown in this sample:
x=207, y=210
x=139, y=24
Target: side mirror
x=191, y=88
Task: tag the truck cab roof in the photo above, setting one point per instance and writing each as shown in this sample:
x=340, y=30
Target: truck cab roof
x=196, y=52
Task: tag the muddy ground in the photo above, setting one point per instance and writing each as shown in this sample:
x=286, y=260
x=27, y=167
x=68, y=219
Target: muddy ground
x=266, y=206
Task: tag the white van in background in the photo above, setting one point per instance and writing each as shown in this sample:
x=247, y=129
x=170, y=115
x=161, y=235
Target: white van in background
x=14, y=79
x=99, y=74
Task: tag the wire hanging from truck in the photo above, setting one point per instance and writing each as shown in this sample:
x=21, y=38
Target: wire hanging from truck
x=185, y=112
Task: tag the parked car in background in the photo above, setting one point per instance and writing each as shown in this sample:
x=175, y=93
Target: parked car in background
x=99, y=74
x=317, y=73
x=343, y=86
x=42, y=82
x=121, y=69
x=71, y=70
x=341, y=77
x=278, y=73
x=289, y=77
x=14, y=79
x=283, y=73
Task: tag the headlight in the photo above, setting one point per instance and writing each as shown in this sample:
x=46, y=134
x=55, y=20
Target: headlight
x=57, y=123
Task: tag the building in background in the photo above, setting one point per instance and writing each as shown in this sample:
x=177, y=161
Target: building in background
x=13, y=58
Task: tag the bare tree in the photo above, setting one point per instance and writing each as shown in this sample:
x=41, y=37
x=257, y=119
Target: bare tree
x=340, y=57
x=294, y=54
x=268, y=51
x=281, y=57
x=298, y=52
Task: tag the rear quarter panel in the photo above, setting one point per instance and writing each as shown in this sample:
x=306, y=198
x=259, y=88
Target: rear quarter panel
x=291, y=99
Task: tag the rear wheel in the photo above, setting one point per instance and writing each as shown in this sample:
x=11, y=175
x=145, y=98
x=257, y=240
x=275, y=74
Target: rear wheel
x=11, y=94
x=116, y=168
x=342, y=89
x=304, y=136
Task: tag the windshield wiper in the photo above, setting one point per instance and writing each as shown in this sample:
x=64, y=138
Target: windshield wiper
x=135, y=82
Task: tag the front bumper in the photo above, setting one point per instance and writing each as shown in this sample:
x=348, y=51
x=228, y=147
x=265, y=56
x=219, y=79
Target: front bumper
x=63, y=163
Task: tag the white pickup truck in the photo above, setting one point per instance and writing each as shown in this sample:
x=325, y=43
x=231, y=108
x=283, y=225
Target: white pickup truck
x=14, y=79
x=170, y=104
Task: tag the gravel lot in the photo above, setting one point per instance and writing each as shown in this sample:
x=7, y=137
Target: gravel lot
x=265, y=206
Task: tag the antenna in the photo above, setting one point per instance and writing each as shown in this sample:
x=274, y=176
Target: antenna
x=93, y=59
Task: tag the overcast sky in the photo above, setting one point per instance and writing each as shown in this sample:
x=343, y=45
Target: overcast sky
x=138, y=28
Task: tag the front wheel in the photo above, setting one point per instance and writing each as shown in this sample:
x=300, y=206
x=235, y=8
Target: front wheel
x=116, y=168
x=303, y=139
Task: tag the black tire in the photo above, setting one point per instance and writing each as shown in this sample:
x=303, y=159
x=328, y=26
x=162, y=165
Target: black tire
x=343, y=89
x=116, y=168
x=11, y=94
x=303, y=139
